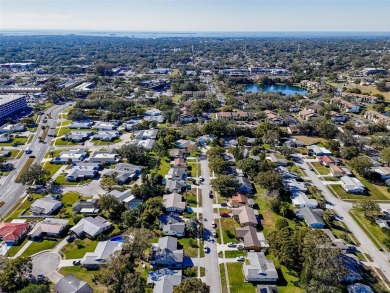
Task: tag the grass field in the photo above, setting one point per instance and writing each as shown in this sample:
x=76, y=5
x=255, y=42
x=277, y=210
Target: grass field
x=20, y=207
x=85, y=275
x=15, y=248
x=164, y=166
x=61, y=179
x=99, y=142
x=228, y=229
x=36, y=247
x=222, y=275
x=373, y=192
x=71, y=250
x=53, y=168
x=190, y=198
x=236, y=279
x=16, y=141
x=372, y=90
x=188, y=249
x=321, y=169
x=193, y=169
x=309, y=140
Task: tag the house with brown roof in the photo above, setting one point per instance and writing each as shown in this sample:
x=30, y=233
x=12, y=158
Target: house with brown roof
x=336, y=171
x=307, y=115
x=13, y=233
x=273, y=118
x=376, y=117
x=249, y=238
x=238, y=115
x=326, y=160
x=346, y=106
x=246, y=216
x=179, y=162
x=177, y=153
x=239, y=200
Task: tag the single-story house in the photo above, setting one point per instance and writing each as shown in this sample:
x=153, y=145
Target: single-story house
x=81, y=171
x=164, y=280
x=103, y=251
x=267, y=289
x=185, y=144
x=239, y=200
x=177, y=153
x=246, y=216
x=50, y=227
x=146, y=134
x=77, y=155
x=105, y=125
x=45, y=206
x=110, y=157
x=249, y=237
x=384, y=172
x=145, y=143
x=177, y=173
x=71, y=284
x=126, y=198
x=278, y=161
x=13, y=233
x=5, y=137
x=175, y=185
x=89, y=206
x=77, y=136
x=106, y=135
x=245, y=185
x=165, y=254
x=293, y=185
x=90, y=227
x=336, y=171
x=179, y=163
x=172, y=225
x=259, y=269
x=173, y=202
x=352, y=185
x=300, y=200
x=351, y=264
x=312, y=217
x=123, y=173
x=326, y=160
x=9, y=128
x=319, y=151
x=80, y=125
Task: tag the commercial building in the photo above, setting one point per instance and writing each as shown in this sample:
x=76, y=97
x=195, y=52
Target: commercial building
x=11, y=103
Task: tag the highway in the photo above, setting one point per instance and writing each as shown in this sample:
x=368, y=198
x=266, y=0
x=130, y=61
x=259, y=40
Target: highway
x=10, y=191
x=342, y=208
x=211, y=257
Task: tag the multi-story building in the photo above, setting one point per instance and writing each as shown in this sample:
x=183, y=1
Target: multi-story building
x=11, y=103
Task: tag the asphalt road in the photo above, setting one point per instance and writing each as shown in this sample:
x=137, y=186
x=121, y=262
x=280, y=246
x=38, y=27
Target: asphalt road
x=342, y=209
x=211, y=257
x=10, y=191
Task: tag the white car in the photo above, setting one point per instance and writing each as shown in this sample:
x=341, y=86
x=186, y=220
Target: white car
x=240, y=247
x=215, y=234
x=205, y=249
x=231, y=244
x=240, y=258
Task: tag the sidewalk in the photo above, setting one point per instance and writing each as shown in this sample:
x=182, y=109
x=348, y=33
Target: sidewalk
x=23, y=249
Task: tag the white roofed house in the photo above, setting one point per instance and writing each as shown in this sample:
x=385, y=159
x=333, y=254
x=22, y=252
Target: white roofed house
x=259, y=269
x=383, y=172
x=110, y=157
x=106, y=126
x=173, y=202
x=146, y=134
x=80, y=125
x=125, y=197
x=103, y=251
x=352, y=185
x=90, y=227
x=172, y=225
x=45, y=206
x=106, y=135
x=165, y=254
x=76, y=155
x=77, y=136
x=300, y=200
x=164, y=280
x=312, y=217
x=123, y=173
x=81, y=171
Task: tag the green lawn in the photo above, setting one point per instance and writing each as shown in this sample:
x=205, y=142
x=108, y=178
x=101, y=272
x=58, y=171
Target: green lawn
x=193, y=169
x=321, y=169
x=71, y=250
x=223, y=278
x=20, y=207
x=190, y=198
x=228, y=229
x=53, y=168
x=337, y=189
x=188, y=249
x=16, y=141
x=25, y=168
x=55, y=154
x=233, y=253
x=164, y=166
x=85, y=275
x=99, y=142
x=237, y=280
x=15, y=248
x=60, y=131
x=36, y=247
x=61, y=179
x=288, y=280
x=14, y=154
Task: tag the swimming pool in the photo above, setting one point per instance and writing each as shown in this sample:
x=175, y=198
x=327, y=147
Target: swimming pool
x=117, y=239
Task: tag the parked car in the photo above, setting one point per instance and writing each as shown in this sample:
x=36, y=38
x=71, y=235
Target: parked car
x=231, y=244
x=215, y=235
x=70, y=239
x=213, y=224
x=240, y=247
x=240, y=258
x=205, y=249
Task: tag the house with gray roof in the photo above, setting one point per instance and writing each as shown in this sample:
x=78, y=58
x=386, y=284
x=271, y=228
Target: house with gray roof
x=259, y=269
x=245, y=185
x=48, y=227
x=164, y=280
x=45, y=206
x=123, y=173
x=80, y=125
x=91, y=227
x=175, y=185
x=103, y=251
x=145, y=143
x=110, y=157
x=106, y=126
x=177, y=173
x=173, y=202
x=82, y=171
x=300, y=200
x=125, y=197
x=129, y=125
x=267, y=289
x=165, y=254
x=77, y=136
x=312, y=217
x=71, y=284
x=352, y=185
x=106, y=135
x=172, y=225
x=76, y=155
x=146, y=134
x=89, y=206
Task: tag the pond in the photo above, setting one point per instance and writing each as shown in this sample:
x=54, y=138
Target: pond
x=285, y=89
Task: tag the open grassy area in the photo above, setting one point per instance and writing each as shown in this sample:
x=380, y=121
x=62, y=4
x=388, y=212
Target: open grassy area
x=321, y=169
x=60, y=131
x=71, y=250
x=188, y=249
x=164, y=166
x=53, y=153
x=372, y=230
x=190, y=198
x=15, y=141
x=236, y=279
x=309, y=140
x=228, y=229
x=53, y=168
x=372, y=90
x=15, y=248
x=233, y=253
x=297, y=170
x=36, y=247
x=85, y=275
x=193, y=169
x=222, y=275
x=373, y=191
x=61, y=179
x=20, y=207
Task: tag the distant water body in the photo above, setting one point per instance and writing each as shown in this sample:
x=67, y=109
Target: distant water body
x=154, y=35
x=284, y=89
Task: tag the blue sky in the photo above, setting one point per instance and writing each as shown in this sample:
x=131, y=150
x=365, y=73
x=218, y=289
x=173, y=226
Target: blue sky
x=201, y=15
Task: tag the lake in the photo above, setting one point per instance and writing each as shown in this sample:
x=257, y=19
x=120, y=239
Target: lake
x=285, y=89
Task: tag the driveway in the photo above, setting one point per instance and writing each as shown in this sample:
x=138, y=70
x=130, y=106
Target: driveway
x=45, y=263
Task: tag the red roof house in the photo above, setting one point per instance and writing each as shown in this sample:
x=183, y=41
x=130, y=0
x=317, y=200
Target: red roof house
x=13, y=232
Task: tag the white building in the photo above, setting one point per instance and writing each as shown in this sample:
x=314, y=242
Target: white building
x=352, y=185
x=301, y=200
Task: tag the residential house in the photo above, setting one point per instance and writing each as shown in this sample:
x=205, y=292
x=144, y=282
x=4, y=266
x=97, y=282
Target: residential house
x=82, y=171
x=173, y=202
x=89, y=206
x=293, y=185
x=312, y=217
x=246, y=216
x=319, y=151
x=146, y=134
x=77, y=155
x=172, y=225
x=49, y=227
x=71, y=284
x=327, y=161
x=103, y=251
x=165, y=254
x=360, y=98
x=164, y=280
x=105, y=126
x=292, y=129
x=259, y=269
x=376, y=117
x=186, y=116
x=9, y=128
x=300, y=200
x=45, y=206
x=101, y=157
x=123, y=173
x=5, y=137
x=273, y=118
x=359, y=288
x=188, y=145
x=179, y=163
x=177, y=153
x=278, y=161
x=351, y=264
x=384, y=172
x=129, y=125
x=338, y=117
x=145, y=143
x=106, y=135
x=125, y=197
x=175, y=185
x=90, y=227
x=237, y=116
x=13, y=233
x=245, y=186
x=177, y=173
x=267, y=289
x=308, y=115
x=352, y=185
x=240, y=200
x=336, y=171
x=346, y=106
x=80, y=125
x=77, y=136
x=249, y=237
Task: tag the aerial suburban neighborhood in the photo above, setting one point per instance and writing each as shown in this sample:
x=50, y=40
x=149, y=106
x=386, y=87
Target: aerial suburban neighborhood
x=218, y=164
